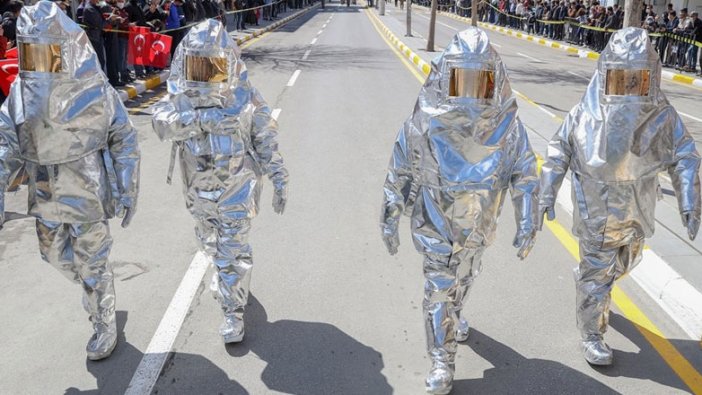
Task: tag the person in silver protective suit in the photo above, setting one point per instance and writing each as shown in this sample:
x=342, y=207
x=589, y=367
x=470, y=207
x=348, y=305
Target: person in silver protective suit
x=224, y=133
x=452, y=164
x=615, y=142
x=69, y=126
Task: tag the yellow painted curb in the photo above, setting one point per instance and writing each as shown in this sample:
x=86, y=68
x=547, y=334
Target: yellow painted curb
x=421, y=64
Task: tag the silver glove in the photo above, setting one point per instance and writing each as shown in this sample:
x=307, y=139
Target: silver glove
x=280, y=197
x=524, y=242
x=549, y=212
x=692, y=223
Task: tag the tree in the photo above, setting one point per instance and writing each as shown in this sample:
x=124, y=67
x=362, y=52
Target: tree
x=632, y=13
x=409, y=18
x=432, y=26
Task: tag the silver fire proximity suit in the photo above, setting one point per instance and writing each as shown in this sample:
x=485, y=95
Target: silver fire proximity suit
x=615, y=142
x=225, y=136
x=69, y=126
x=452, y=164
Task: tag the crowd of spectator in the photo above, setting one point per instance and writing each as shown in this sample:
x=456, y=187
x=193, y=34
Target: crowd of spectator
x=677, y=36
x=107, y=24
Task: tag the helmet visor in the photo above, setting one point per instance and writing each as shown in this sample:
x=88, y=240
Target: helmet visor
x=44, y=58
x=472, y=83
x=628, y=82
x=206, y=69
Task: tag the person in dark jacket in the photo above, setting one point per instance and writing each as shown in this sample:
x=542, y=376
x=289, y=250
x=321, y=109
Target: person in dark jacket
x=241, y=5
x=175, y=20
x=611, y=23
x=111, y=38
x=93, y=23
x=136, y=18
x=9, y=20
x=695, y=34
x=154, y=16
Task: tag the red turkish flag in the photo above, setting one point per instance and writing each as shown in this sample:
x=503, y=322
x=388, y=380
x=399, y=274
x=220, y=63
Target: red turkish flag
x=139, y=44
x=8, y=72
x=160, y=50
x=11, y=53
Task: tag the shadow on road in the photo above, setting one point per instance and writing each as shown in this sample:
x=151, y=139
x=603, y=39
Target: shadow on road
x=114, y=373
x=513, y=373
x=310, y=358
x=646, y=364
x=324, y=57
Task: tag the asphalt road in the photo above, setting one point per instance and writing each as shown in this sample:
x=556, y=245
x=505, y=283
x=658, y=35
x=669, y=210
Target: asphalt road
x=330, y=311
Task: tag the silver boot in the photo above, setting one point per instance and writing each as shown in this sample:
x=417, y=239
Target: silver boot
x=104, y=340
x=232, y=330
x=440, y=378
x=462, y=330
x=596, y=351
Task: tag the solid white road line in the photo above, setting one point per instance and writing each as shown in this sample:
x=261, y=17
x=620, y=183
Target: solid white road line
x=306, y=55
x=161, y=343
x=545, y=111
x=578, y=75
x=690, y=116
x=313, y=41
x=275, y=113
x=440, y=23
x=529, y=57
x=292, y=80
x=496, y=45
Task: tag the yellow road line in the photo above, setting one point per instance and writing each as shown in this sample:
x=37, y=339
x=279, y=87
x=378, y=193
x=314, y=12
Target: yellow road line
x=672, y=357
x=680, y=365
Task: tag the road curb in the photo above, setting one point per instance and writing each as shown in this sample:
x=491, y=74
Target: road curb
x=422, y=65
x=671, y=292
x=133, y=90
x=669, y=75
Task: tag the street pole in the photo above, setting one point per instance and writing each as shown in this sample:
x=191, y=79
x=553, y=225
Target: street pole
x=382, y=7
x=474, y=12
x=409, y=18
x=432, y=26
x=74, y=10
x=632, y=13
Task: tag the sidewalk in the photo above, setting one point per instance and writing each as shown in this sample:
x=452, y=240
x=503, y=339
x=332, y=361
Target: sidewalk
x=583, y=53
x=680, y=296
x=134, y=89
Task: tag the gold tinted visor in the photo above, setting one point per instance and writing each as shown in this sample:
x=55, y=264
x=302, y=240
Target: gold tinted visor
x=628, y=82
x=472, y=83
x=206, y=69
x=45, y=58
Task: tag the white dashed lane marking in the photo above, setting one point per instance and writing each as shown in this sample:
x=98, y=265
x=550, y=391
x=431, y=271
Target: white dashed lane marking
x=530, y=57
x=292, y=80
x=161, y=343
x=276, y=113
